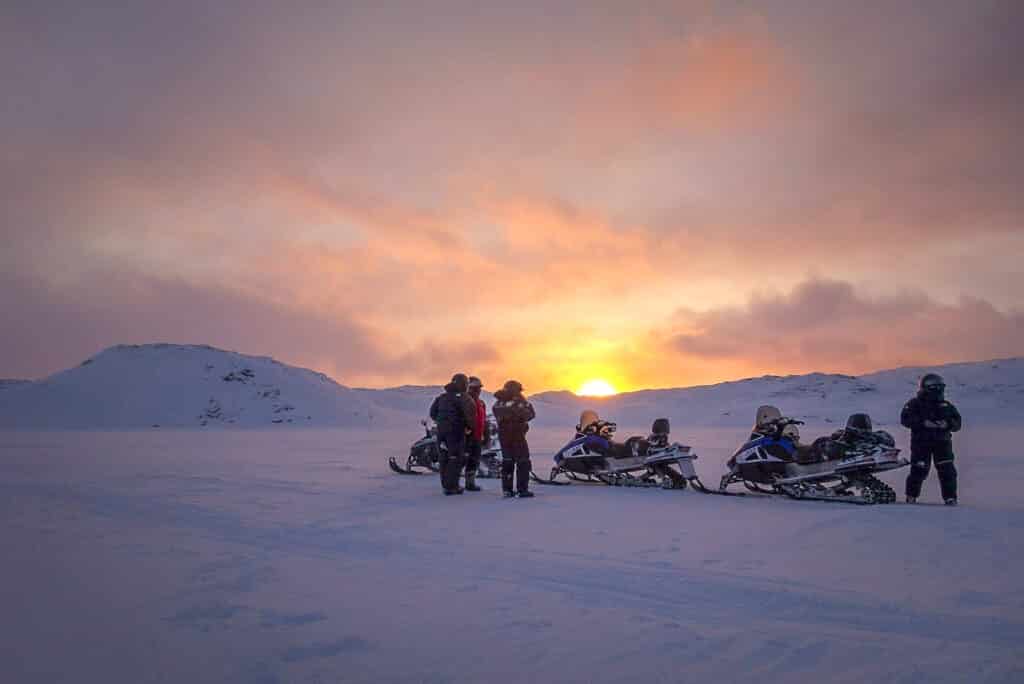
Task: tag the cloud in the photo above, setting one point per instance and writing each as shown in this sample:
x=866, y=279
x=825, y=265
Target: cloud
x=828, y=325
x=51, y=328
x=478, y=184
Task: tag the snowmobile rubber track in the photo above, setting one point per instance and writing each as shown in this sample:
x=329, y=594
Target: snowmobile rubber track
x=807, y=496
x=874, y=492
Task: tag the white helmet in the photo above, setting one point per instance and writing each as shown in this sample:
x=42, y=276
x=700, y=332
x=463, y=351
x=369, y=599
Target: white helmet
x=792, y=433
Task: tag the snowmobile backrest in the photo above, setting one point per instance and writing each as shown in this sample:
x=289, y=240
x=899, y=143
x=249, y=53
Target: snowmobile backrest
x=660, y=427
x=859, y=421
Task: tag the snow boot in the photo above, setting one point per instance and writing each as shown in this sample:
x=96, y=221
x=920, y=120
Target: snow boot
x=508, y=494
x=471, y=485
x=911, y=499
x=951, y=501
x=526, y=495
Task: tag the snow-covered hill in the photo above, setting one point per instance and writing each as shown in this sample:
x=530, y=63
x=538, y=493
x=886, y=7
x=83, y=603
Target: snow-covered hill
x=166, y=385
x=987, y=392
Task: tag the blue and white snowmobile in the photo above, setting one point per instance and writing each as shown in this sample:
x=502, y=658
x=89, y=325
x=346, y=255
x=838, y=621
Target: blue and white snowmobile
x=839, y=467
x=593, y=456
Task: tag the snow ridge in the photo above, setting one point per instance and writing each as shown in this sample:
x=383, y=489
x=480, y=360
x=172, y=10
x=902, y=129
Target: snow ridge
x=199, y=386
x=184, y=386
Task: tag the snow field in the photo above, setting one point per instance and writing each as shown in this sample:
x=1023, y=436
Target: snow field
x=296, y=556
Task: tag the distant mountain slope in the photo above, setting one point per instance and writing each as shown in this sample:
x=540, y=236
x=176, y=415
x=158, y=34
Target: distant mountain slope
x=989, y=392
x=194, y=386
x=169, y=385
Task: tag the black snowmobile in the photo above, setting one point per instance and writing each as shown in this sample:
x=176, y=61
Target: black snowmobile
x=592, y=456
x=838, y=467
x=425, y=454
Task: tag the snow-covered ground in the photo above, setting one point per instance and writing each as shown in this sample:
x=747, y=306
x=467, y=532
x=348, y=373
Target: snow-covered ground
x=296, y=556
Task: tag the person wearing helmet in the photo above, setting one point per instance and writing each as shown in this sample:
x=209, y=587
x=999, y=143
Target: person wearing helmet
x=932, y=420
x=514, y=413
x=455, y=413
x=475, y=440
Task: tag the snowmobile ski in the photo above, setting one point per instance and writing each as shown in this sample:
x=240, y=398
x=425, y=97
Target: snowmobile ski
x=400, y=470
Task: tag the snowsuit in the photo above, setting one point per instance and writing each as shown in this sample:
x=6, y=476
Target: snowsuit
x=928, y=444
x=475, y=441
x=513, y=414
x=454, y=413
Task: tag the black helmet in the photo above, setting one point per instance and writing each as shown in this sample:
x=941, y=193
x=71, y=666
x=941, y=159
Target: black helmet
x=513, y=388
x=859, y=421
x=660, y=427
x=459, y=382
x=932, y=386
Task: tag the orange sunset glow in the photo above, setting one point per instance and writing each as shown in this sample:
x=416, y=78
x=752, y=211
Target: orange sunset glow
x=596, y=388
x=652, y=196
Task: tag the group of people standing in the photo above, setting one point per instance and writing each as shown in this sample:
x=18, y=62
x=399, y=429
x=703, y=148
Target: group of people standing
x=462, y=430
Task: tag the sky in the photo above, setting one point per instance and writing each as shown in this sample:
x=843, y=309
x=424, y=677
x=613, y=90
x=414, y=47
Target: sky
x=655, y=194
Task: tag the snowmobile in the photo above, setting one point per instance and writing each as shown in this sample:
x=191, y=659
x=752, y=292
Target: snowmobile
x=592, y=456
x=425, y=453
x=839, y=467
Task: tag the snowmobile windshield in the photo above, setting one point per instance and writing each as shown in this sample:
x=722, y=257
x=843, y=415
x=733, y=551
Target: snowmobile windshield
x=587, y=418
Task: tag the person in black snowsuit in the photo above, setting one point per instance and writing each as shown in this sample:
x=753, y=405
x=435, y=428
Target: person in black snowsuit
x=514, y=413
x=932, y=421
x=454, y=412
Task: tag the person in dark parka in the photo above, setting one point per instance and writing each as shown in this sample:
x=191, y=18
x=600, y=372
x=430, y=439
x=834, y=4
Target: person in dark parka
x=455, y=413
x=514, y=413
x=932, y=421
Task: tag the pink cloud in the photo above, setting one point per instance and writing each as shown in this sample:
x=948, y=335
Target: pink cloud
x=826, y=324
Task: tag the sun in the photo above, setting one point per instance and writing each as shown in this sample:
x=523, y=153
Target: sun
x=596, y=388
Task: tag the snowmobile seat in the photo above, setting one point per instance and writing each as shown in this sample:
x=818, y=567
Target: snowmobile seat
x=634, y=446
x=808, y=454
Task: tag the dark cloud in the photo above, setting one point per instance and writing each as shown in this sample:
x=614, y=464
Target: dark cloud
x=826, y=324
x=48, y=329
